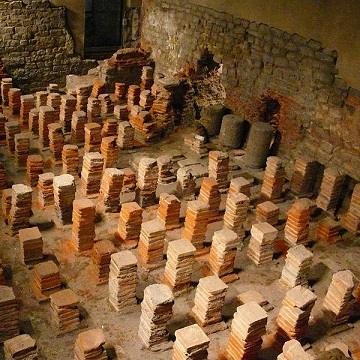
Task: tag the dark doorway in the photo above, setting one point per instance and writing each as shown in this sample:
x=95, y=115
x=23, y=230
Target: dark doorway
x=103, y=19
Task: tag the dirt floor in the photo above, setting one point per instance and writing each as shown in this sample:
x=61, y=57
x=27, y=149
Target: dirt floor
x=121, y=329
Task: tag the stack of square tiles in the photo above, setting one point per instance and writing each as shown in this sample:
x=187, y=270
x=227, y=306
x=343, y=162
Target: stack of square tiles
x=109, y=128
x=236, y=209
x=169, y=211
x=297, y=266
x=34, y=121
x=120, y=91
x=22, y=146
x=92, y=137
x=22, y=347
x=54, y=100
x=67, y=107
x=126, y=133
x=223, y=251
x=198, y=145
x=147, y=181
x=133, y=95
x=56, y=139
x=130, y=220
x=146, y=99
x=297, y=225
x=240, y=185
x=151, y=243
x=94, y=110
x=34, y=167
x=78, y=122
x=292, y=350
x=110, y=189
x=129, y=183
x=219, y=167
x=11, y=129
x=41, y=98
x=166, y=175
x=21, y=202
x=179, y=265
x=91, y=173
x=303, y=176
x=327, y=230
x=31, y=244
x=101, y=254
x=46, y=278
x=196, y=221
x=147, y=78
x=109, y=151
x=274, y=178
x=98, y=88
x=330, y=189
x=156, y=311
x=209, y=194
x=83, y=225
x=9, y=314
x=261, y=245
x=209, y=301
x=107, y=106
x=27, y=103
x=267, y=212
x=123, y=280
x=14, y=100
x=339, y=300
x=64, y=195
x=351, y=221
x=64, y=305
x=90, y=345
x=70, y=159
x=6, y=199
x=3, y=180
x=46, y=189
x=51, y=88
x=82, y=95
x=293, y=318
x=247, y=328
x=121, y=113
x=3, y=120
x=6, y=85
x=186, y=184
x=191, y=344
x=46, y=117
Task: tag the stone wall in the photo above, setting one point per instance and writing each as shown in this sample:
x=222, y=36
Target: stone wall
x=319, y=115
x=35, y=45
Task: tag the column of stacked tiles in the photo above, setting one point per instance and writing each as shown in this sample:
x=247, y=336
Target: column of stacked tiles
x=209, y=194
x=46, y=279
x=133, y=95
x=54, y=100
x=327, y=230
x=98, y=88
x=101, y=254
x=21, y=202
x=267, y=212
x=46, y=117
x=27, y=103
x=146, y=99
x=65, y=314
x=274, y=178
x=179, y=265
x=147, y=181
x=70, y=159
x=198, y=145
x=109, y=127
x=223, y=251
x=247, y=328
x=196, y=221
x=90, y=345
x=292, y=350
x=219, y=168
x=209, y=301
x=123, y=280
x=78, y=122
x=22, y=147
x=83, y=225
x=94, y=110
x=129, y=183
x=297, y=266
x=120, y=91
x=34, y=121
x=121, y=113
x=107, y=106
x=41, y=98
x=351, y=221
x=64, y=195
x=236, y=209
x=261, y=245
x=126, y=133
x=339, y=300
x=109, y=151
x=147, y=78
x=3, y=179
x=91, y=173
x=240, y=185
x=31, y=244
x=6, y=199
x=11, y=129
x=191, y=343
x=67, y=107
x=156, y=311
x=130, y=220
x=34, y=167
x=151, y=243
x=166, y=175
x=293, y=319
x=330, y=189
x=297, y=225
x=186, y=184
x=9, y=314
x=6, y=85
x=56, y=140
x=14, y=100
x=20, y=347
x=169, y=211
x=92, y=137
x=110, y=189
x=82, y=95
x=46, y=189
x=303, y=176
x=3, y=120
